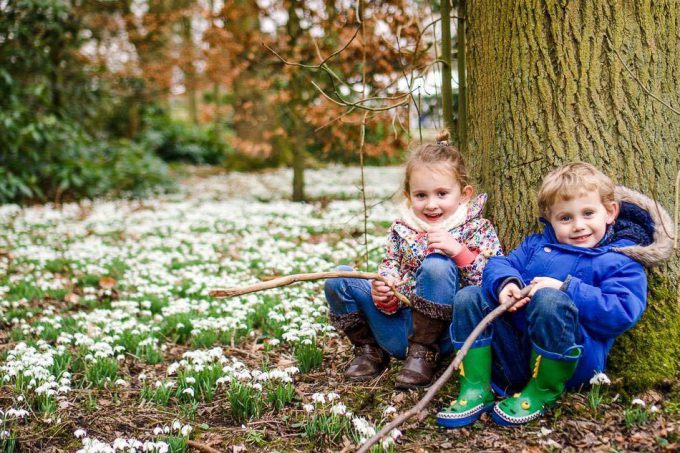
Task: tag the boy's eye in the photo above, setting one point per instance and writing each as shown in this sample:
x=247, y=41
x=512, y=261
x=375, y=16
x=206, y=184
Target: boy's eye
x=565, y=218
x=588, y=213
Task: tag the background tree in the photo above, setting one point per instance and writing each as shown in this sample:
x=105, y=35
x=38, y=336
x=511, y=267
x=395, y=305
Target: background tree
x=552, y=82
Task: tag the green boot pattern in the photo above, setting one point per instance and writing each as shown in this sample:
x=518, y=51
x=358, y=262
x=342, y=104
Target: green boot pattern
x=475, y=395
x=545, y=387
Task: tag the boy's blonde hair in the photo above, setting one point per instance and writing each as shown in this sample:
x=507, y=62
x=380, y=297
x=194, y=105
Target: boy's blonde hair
x=439, y=153
x=570, y=181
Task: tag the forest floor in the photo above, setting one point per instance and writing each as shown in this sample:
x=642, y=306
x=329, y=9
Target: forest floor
x=110, y=342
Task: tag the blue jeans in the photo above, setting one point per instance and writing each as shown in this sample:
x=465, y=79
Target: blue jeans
x=548, y=324
x=437, y=280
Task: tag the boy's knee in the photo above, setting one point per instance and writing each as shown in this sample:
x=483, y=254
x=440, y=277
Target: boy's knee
x=470, y=296
x=437, y=266
x=548, y=302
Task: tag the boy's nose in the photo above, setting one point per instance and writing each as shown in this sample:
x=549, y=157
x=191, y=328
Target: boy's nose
x=578, y=224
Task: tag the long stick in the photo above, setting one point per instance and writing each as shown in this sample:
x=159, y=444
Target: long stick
x=288, y=279
x=439, y=383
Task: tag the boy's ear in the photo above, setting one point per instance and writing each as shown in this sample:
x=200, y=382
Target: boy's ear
x=612, y=212
x=466, y=194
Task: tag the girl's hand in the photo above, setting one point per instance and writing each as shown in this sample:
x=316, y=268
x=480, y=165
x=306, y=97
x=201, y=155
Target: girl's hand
x=512, y=292
x=544, y=282
x=442, y=240
x=383, y=296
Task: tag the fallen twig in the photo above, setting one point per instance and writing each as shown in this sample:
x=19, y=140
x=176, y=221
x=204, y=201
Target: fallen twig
x=288, y=279
x=201, y=447
x=439, y=383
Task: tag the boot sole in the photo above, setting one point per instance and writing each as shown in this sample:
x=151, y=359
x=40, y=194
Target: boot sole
x=463, y=421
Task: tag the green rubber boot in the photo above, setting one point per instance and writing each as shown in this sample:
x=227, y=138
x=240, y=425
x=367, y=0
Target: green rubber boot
x=475, y=395
x=543, y=390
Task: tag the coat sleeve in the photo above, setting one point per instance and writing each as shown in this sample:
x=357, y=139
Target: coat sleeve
x=502, y=269
x=485, y=244
x=390, y=265
x=614, y=306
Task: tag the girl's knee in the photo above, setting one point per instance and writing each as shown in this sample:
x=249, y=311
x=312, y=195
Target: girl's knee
x=469, y=297
x=437, y=266
x=334, y=285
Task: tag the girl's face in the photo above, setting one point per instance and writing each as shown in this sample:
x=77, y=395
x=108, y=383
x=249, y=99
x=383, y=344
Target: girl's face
x=435, y=195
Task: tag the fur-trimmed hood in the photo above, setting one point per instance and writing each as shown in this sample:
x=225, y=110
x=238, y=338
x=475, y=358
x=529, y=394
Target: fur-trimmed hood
x=646, y=223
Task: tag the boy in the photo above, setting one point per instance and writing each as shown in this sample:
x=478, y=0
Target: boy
x=588, y=286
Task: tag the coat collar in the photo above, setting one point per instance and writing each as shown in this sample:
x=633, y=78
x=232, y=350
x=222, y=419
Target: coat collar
x=467, y=212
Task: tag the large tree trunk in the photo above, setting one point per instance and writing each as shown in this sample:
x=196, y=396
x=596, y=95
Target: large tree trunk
x=548, y=84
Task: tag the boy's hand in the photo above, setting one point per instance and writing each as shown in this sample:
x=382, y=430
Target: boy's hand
x=544, y=282
x=512, y=292
x=383, y=296
x=442, y=240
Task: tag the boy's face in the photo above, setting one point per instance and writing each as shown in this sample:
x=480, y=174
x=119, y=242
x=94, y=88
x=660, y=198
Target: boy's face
x=582, y=221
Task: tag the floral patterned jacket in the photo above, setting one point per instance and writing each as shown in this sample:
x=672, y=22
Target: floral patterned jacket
x=407, y=247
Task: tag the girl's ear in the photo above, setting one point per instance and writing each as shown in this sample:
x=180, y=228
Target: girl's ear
x=466, y=194
x=612, y=211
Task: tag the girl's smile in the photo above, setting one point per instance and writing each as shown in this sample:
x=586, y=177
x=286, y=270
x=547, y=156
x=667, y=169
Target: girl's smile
x=435, y=193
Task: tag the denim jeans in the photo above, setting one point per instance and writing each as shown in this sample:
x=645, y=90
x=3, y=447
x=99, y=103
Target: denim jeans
x=548, y=324
x=437, y=280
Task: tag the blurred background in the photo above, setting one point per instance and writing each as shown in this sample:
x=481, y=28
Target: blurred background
x=107, y=97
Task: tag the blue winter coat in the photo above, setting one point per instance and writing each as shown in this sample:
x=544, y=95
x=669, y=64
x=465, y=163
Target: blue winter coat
x=608, y=287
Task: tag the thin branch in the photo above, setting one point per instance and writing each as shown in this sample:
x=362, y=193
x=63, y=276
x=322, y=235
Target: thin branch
x=429, y=395
x=288, y=279
x=201, y=447
x=359, y=103
x=363, y=183
x=644, y=88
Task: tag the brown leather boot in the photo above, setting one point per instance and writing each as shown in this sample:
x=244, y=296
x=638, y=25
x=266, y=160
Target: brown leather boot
x=422, y=359
x=370, y=359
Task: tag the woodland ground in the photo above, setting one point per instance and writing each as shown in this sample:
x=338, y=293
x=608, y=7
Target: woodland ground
x=109, y=338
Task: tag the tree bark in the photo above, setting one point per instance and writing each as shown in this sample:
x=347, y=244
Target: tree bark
x=447, y=91
x=549, y=83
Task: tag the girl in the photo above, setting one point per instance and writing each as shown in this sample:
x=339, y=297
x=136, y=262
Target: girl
x=439, y=243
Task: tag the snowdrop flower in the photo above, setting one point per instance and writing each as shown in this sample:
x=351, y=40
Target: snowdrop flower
x=638, y=402
x=79, y=433
x=332, y=396
x=157, y=431
x=319, y=398
x=338, y=409
x=142, y=377
x=189, y=391
x=121, y=383
x=186, y=430
x=176, y=425
x=653, y=409
x=308, y=408
x=389, y=410
x=191, y=380
x=600, y=379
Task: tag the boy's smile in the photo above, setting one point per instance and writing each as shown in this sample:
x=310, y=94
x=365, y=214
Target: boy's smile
x=582, y=221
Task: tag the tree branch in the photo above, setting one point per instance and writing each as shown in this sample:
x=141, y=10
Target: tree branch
x=288, y=279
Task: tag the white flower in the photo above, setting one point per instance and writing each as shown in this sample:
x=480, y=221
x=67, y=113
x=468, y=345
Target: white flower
x=79, y=433
x=653, y=409
x=638, y=402
x=176, y=425
x=308, y=408
x=157, y=431
x=389, y=410
x=121, y=383
x=191, y=380
x=332, y=396
x=600, y=379
x=189, y=391
x=186, y=430
x=319, y=398
x=338, y=409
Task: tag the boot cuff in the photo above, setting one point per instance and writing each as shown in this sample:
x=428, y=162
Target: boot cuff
x=430, y=309
x=347, y=321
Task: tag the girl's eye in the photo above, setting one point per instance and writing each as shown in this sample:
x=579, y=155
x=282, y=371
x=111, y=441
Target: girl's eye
x=565, y=218
x=442, y=194
x=420, y=196
x=588, y=213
